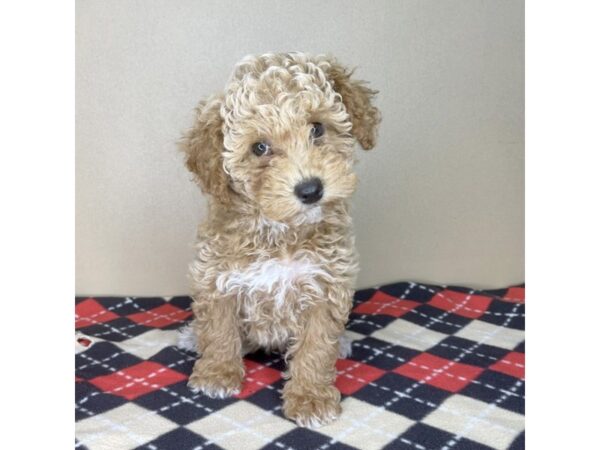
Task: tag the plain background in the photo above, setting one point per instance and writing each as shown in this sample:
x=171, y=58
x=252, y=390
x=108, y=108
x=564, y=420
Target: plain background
x=441, y=197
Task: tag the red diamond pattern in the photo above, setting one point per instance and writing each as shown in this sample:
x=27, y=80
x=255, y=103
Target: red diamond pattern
x=382, y=303
x=137, y=380
x=439, y=372
x=90, y=312
x=162, y=316
x=463, y=304
x=512, y=364
x=515, y=295
x=257, y=378
x=353, y=375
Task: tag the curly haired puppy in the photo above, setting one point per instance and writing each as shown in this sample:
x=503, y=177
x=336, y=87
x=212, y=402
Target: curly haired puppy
x=275, y=261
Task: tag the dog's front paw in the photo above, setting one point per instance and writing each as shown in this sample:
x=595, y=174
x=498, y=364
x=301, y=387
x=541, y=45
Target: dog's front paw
x=216, y=380
x=312, y=407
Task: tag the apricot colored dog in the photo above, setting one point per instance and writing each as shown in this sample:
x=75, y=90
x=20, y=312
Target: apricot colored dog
x=275, y=262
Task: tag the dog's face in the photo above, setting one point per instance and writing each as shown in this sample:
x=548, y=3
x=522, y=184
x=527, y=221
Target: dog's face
x=281, y=136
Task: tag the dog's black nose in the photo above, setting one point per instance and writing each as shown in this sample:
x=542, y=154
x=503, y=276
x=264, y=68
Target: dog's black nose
x=309, y=191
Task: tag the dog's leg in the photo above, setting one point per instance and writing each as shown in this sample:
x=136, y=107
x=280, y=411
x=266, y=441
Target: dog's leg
x=310, y=397
x=220, y=370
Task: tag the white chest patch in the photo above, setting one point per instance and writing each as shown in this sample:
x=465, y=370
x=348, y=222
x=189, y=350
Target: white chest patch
x=276, y=277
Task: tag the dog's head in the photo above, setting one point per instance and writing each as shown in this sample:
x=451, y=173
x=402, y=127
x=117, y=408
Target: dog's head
x=281, y=136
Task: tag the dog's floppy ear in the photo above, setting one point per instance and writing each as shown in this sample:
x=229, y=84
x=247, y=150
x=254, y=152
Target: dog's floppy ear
x=203, y=146
x=357, y=99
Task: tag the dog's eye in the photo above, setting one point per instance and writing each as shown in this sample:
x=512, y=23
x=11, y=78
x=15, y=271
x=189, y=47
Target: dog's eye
x=261, y=148
x=317, y=130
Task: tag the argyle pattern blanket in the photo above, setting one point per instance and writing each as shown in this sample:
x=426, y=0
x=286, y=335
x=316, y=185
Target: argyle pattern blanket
x=432, y=367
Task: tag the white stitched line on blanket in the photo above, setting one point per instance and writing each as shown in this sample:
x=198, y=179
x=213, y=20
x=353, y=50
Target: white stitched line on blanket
x=422, y=314
x=108, y=358
x=135, y=305
x=113, y=425
x=396, y=300
x=278, y=444
x=397, y=333
x=244, y=427
x=450, y=375
x=149, y=311
x=422, y=329
x=112, y=329
x=480, y=418
x=410, y=310
x=459, y=357
x=416, y=339
x=120, y=330
x=376, y=352
x=494, y=296
x=231, y=432
x=356, y=424
x=452, y=302
x=366, y=360
x=466, y=308
x=455, y=360
x=417, y=400
x=382, y=408
x=222, y=436
x=186, y=400
x=379, y=326
x=414, y=444
x=127, y=301
x=363, y=316
x=422, y=366
x=133, y=382
x=346, y=373
x=136, y=380
x=234, y=431
x=153, y=374
x=419, y=313
x=142, y=380
x=209, y=410
x=114, y=355
x=252, y=421
x=428, y=403
x=123, y=352
x=175, y=404
x=408, y=289
x=426, y=316
x=365, y=346
x=480, y=292
x=442, y=344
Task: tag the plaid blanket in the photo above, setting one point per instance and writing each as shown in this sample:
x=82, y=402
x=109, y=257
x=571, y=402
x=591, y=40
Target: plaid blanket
x=432, y=367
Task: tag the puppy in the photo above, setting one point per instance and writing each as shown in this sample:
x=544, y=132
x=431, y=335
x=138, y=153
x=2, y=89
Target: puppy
x=275, y=262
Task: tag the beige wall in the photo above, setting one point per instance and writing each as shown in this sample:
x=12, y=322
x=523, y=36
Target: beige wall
x=440, y=198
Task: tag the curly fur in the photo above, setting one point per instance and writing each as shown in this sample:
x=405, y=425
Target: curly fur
x=271, y=272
